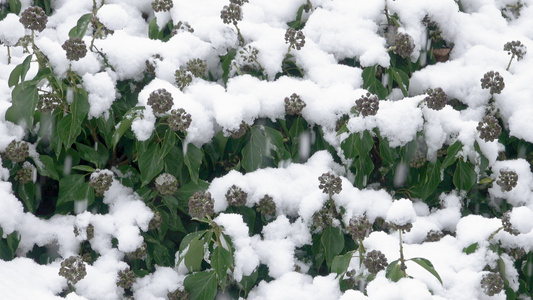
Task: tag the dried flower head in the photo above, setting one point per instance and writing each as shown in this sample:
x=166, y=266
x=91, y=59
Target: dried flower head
x=201, y=205
x=238, y=2
x=489, y=129
x=266, y=206
x=325, y=217
x=178, y=295
x=156, y=221
x=161, y=101
x=492, y=283
x=183, y=78
x=73, y=269
x=162, y=5
x=434, y=236
x=48, y=102
x=295, y=39
x=179, y=120
x=294, y=105
x=367, y=105
x=236, y=196
x=492, y=81
x=126, y=278
x=26, y=174
x=403, y=227
x=34, y=18
x=240, y=132
x=182, y=27
x=75, y=48
x=330, y=183
x=166, y=184
x=436, y=98
x=516, y=49
x=359, y=228
x=231, y=14
x=418, y=160
x=197, y=67
x=403, y=45
x=140, y=253
x=17, y=151
x=507, y=180
x=507, y=225
x=375, y=261
x=101, y=181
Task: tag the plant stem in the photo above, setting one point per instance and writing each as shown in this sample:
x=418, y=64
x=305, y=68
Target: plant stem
x=510, y=61
x=402, y=258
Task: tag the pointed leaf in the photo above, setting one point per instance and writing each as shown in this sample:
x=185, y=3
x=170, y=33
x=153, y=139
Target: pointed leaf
x=221, y=261
x=341, y=262
x=451, y=154
x=193, y=161
x=24, y=101
x=201, y=285
x=426, y=264
x=79, y=30
x=332, y=241
x=464, y=176
x=394, y=271
x=149, y=163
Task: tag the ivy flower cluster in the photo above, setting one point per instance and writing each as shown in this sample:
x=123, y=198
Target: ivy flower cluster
x=516, y=49
x=101, y=181
x=295, y=39
x=236, y=196
x=162, y=5
x=507, y=180
x=492, y=283
x=201, y=205
x=403, y=45
x=166, y=184
x=294, y=105
x=492, y=81
x=25, y=175
x=436, y=98
x=489, y=129
x=359, y=228
x=330, y=183
x=266, y=206
x=73, y=269
x=367, y=105
x=161, y=101
x=17, y=151
x=375, y=261
x=75, y=48
x=34, y=18
x=179, y=120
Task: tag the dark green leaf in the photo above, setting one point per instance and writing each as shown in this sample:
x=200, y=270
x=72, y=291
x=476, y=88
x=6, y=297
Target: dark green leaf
x=88, y=153
x=451, y=153
x=193, y=161
x=79, y=30
x=15, y=6
x=484, y=161
x=169, y=141
x=153, y=29
x=465, y=176
x=26, y=193
x=161, y=255
x=332, y=241
x=48, y=168
x=426, y=264
x=122, y=127
x=14, y=76
x=149, y=163
x=402, y=79
x=341, y=262
x=248, y=282
x=470, y=249
x=226, y=64
x=394, y=271
x=388, y=154
x=69, y=127
x=372, y=84
x=363, y=168
x=195, y=254
x=348, y=148
x=24, y=101
x=429, y=182
x=275, y=140
x=73, y=188
x=221, y=261
x=83, y=168
x=201, y=285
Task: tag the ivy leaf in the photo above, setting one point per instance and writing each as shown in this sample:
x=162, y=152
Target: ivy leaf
x=168, y=142
x=332, y=241
x=471, y=249
x=24, y=101
x=388, y=154
x=372, y=84
x=20, y=71
x=401, y=78
x=394, y=271
x=341, y=262
x=363, y=168
x=451, y=154
x=193, y=161
x=149, y=163
x=88, y=153
x=426, y=264
x=153, y=29
x=69, y=127
x=429, y=183
x=48, y=168
x=226, y=64
x=221, y=261
x=15, y=6
x=26, y=193
x=253, y=152
x=201, y=285
x=79, y=30
x=73, y=188
x=465, y=176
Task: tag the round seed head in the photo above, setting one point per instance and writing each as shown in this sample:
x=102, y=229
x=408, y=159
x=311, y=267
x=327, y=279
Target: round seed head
x=418, y=160
x=434, y=236
x=359, y=228
x=236, y=196
x=182, y=27
x=492, y=283
x=17, y=151
x=238, y=2
x=231, y=14
x=492, y=81
x=489, y=129
x=294, y=105
x=48, y=103
x=26, y=174
x=73, y=269
x=126, y=278
x=330, y=183
x=296, y=39
x=166, y=184
x=75, y=48
x=375, y=261
x=161, y=101
x=201, y=205
x=162, y=5
x=101, y=181
x=196, y=67
x=515, y=48
x=140, y=253
x=507, y=225
x=179, y=120
x=266, y=206
x=436, y=98
x=367, y=105
x=507, y=180
x=178, y=295
x=404, y=45
x=34, y=18
x=237, y=134
x=183, y=78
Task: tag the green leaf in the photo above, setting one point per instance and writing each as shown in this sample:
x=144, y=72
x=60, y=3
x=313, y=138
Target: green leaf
x=153, y=29
x=15, y=6
x=122, y=127
x=248, y=282
x=275, y=140
x=341, y=262
x=471, y=249
x=88, y=153
x=255, y=149
x=426, y=264
x=69, y=127
x=48, y=168
x=169, y=141
x=26, y=193
x=201, y=285
x=195, y=254
x=20, y=71
x=401, y=78
x=363, y=168
x=79, y=30
x=161, y=255
x=388, y=154
x=83, y=168
x=332, y=240
x=429, y=182
x=149, y=163
x=73, y=188
x=451, y=154
x=24, y=101
x=465, y=176
x=484, y=161
x=9, y=245
x=193, y=161
x=394, y=271
x=226, y=64
x=348, y=148
x=221, y=261
x=372, y=84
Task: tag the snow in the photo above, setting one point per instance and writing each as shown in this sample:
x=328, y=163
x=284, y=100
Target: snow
x=335, y=30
